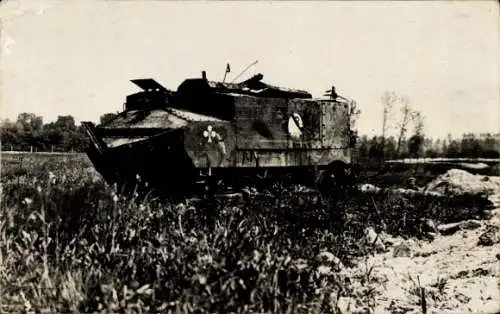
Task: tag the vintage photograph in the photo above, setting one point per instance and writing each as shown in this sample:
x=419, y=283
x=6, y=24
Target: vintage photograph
x=249, y=157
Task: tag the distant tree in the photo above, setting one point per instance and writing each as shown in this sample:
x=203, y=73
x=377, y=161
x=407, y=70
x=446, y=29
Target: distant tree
x=66, y=127
x=30, y=130
x=418, y=122
x=446, y=143
x=390, y=148
x=452, y=149
x=470, y=146
x=406, y=117
x=374, y=151
x=363, y=147
x=79, y=139
x=491, y=147
x=52, y=137
x=389, y=99
x=431, y=153
x=354, y=113
x=65, y=123
x=10, y=137
x=30, y=122
x=415, y=145
x=416, y=141
x=437, y=147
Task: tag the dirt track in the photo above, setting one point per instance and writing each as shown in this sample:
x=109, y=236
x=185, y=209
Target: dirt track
x=457, y=274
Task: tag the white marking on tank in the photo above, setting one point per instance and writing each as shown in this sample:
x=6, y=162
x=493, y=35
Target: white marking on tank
x=210, y=134
x=295, y=125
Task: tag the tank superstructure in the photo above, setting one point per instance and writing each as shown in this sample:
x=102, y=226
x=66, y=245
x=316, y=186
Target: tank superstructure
x=209, y=129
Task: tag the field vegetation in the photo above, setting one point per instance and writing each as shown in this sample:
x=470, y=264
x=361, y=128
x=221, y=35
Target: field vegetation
x=69, y=242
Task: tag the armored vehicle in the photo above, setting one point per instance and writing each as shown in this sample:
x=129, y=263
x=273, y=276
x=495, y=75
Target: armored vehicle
x=209, y=132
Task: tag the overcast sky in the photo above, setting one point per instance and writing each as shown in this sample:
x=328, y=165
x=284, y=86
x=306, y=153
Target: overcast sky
x=77, y=57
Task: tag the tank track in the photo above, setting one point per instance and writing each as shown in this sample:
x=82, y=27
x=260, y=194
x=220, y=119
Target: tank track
x=332, y=181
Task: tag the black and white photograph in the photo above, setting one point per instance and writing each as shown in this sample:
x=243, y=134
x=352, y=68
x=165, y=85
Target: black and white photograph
x=249, y=157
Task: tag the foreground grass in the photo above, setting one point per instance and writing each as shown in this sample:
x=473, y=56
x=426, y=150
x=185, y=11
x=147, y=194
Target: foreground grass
x=69, y=243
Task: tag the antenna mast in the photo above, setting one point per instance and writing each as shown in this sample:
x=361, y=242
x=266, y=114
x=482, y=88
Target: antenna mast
x=228, y=69
x=251, y=64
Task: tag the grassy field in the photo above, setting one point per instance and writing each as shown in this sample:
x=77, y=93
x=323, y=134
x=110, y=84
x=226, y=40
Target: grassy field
x=69, y=243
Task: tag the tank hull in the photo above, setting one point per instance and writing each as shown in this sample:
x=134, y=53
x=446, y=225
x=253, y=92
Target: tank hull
x=206, y=131
x=153, y=164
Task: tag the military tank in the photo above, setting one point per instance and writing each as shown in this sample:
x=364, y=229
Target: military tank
x=209, y=134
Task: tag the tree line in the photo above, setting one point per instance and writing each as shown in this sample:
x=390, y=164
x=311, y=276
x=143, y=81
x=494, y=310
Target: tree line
x=30, y=133
x=468, y=146
x=402, y=135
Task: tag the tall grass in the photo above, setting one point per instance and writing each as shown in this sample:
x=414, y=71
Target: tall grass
x=69, y=243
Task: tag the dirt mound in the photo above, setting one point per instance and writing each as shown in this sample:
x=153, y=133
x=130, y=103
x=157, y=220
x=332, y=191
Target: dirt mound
x=457, y=182
x=457, y=275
